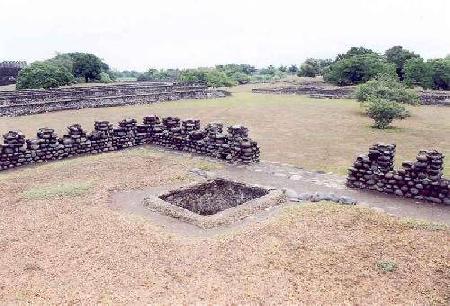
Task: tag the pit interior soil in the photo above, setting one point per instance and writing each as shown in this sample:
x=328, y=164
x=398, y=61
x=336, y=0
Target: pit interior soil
x=212, y=197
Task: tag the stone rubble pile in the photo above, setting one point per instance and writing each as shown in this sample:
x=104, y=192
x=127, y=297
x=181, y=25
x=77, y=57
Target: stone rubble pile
x=421, y=179
x=170, y=132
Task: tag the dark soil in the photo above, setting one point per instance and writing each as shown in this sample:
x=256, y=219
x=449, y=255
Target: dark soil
x=214, y=196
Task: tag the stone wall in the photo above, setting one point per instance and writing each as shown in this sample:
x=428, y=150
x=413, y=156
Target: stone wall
x=24, y=102
x=427, y=97
x=169, y=132
x=9, y=70
x=421, y=179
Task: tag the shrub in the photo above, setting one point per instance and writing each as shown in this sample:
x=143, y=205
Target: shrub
x=212, y=77
x=358, y=69
x=383, y=112
x=388, y=88
x=43, y=75
x=105, y=78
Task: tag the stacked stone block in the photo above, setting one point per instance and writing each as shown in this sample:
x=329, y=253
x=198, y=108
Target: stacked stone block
x=421, y=179
x=171, y=132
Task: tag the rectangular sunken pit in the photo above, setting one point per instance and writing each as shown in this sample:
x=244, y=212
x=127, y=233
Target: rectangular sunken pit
x=212, y=197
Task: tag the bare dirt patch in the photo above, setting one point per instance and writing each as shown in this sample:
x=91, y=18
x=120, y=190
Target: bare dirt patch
x=73, y=248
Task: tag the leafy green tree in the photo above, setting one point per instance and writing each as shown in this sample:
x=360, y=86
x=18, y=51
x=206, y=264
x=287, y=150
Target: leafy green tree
x=88, y=66
x=417, y=72
x=354, y=51
x=383, y=112
x=313, y=67
x=440, y=73
x=358, y=69
x=388, y=88
x=293, y=69
x=282, y=68
x=269, y=70
x=43, y=75
x=398, y=56
x=310, y=68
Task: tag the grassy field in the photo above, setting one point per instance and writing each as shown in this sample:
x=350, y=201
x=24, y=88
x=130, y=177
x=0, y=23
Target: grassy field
x=314, y=134
x=62, y=244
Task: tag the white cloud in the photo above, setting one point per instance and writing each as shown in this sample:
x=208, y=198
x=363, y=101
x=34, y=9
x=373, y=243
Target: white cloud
x=187, y=33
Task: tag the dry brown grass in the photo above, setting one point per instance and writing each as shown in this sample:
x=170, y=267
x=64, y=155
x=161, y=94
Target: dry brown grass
x=314, y=134
x=72, y=248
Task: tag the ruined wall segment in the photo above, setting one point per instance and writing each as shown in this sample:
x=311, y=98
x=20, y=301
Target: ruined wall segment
x=170, y=132
x=421, y=179
x=25, y=102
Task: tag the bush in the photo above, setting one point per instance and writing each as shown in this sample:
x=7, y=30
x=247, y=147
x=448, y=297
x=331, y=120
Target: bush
x=105, y=78
x=358, y=69
x=43, y=75
x=212, y=77
x=383, y=112
x=388, y=88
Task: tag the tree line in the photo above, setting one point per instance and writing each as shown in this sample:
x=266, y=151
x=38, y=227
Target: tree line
x=64, y=69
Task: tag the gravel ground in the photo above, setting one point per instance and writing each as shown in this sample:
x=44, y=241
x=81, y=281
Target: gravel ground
x=62, y=243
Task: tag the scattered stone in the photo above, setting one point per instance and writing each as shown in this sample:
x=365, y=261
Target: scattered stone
x=295, y=177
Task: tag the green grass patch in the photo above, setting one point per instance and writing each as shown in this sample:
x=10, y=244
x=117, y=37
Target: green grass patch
x=420, y=224
x=70, y=189
x=387, y=266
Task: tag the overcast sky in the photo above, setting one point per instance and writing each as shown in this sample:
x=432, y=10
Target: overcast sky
x=137, y=34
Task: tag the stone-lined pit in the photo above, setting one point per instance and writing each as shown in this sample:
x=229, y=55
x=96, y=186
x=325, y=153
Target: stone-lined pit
x=212, y=197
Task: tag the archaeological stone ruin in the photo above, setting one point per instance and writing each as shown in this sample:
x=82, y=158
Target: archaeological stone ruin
x=25, y=102
x=9, y=70
x=214, y=202
x=421, y=179
x=321, y=91
x=234, y=145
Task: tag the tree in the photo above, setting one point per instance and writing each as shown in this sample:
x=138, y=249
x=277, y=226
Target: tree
x=398, y=56
x=293, y=69
x=388, y=88
x=43, y=75
x=383, y=112
x=358, y=69
x=88, y=66
x=354, y=51
x=416, y=72
x=283, y=68
x=440, y=73
x=313, y=67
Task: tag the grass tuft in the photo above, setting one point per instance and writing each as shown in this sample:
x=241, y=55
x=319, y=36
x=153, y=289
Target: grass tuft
x=420, y=224
x=72, y=189
x=386, y=266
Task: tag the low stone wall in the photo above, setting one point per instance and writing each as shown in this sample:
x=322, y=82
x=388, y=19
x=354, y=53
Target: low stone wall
x=421, y=179
x=427, y=97
x=313, y=91
x=170, y=132
x=24, y=102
